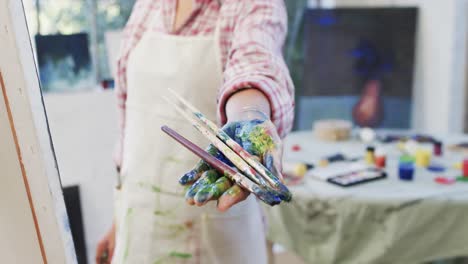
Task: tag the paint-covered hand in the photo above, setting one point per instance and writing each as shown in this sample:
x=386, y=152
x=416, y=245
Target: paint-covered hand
x=256, y=134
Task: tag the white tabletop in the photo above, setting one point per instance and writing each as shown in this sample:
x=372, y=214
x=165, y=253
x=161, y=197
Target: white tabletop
x=392, y=188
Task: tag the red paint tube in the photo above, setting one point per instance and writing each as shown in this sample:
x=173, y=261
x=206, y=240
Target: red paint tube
x=465, y=168
x=380, y=158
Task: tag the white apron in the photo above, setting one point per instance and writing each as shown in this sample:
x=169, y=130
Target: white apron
x=154, y=224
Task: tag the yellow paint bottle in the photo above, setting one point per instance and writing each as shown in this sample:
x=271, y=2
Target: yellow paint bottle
x=457, y=166
x=300, y=170
x=370, y=155
x=423, y=158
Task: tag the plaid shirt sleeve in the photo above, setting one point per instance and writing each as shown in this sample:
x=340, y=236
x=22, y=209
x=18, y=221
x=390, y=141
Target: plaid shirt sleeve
x=255, y=60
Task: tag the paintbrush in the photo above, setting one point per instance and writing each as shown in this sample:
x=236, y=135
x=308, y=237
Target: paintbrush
x=273, y=180
x=268, y=197
x=221, y=146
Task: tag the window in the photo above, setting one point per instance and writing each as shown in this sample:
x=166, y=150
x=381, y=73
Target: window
x=66, y=22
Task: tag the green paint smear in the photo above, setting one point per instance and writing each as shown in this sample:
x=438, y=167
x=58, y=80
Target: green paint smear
x=211, y=176
x=213, y=191
x=181, y=255
x=172, y=255
x=204, y=194
x=206, y=179
x=174, y=229
x=212, y=150
x=127, y=240
x=233, y=191
x=156, y=189
x=177, y=228
x=162, y=213
x=173, y=159
x=261, y=141
x=159, y=190
x=126, y=250
x=129, y=211
x=220, y=186
x=201, y=166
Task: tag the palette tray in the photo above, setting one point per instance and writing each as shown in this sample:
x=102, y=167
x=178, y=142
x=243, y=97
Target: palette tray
x=358, y=177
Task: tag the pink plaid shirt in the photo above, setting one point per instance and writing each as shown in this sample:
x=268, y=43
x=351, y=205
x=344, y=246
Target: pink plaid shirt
x=252, y=33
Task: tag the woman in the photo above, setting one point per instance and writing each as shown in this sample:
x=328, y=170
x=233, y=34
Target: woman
x=225, y=58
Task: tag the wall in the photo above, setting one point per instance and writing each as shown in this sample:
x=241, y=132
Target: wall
x=440, y=71
x=84, y=129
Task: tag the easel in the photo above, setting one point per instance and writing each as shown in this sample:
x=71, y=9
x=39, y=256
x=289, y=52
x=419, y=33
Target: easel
x=33, y=223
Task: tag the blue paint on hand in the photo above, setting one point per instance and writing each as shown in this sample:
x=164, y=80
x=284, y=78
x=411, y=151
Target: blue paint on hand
x=188, y=177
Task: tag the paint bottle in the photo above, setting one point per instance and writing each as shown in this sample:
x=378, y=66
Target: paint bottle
x=423, y=158
x=465, y=168
x=300, y=170
x=406, y=171
x=438, y=148
x=406, y=159
x=380, y=158
x=457, y=166
x=411, y=146
x=370, y=155
x=296, y=170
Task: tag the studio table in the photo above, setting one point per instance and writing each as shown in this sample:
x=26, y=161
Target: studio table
x=385, y=221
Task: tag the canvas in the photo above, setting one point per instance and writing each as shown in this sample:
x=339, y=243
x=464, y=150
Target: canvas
x=35, y=227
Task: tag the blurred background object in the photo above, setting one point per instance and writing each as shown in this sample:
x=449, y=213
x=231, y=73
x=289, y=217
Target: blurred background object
x=414, y=84
x=65, y=21
x=64, y=62
x=359, y=66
